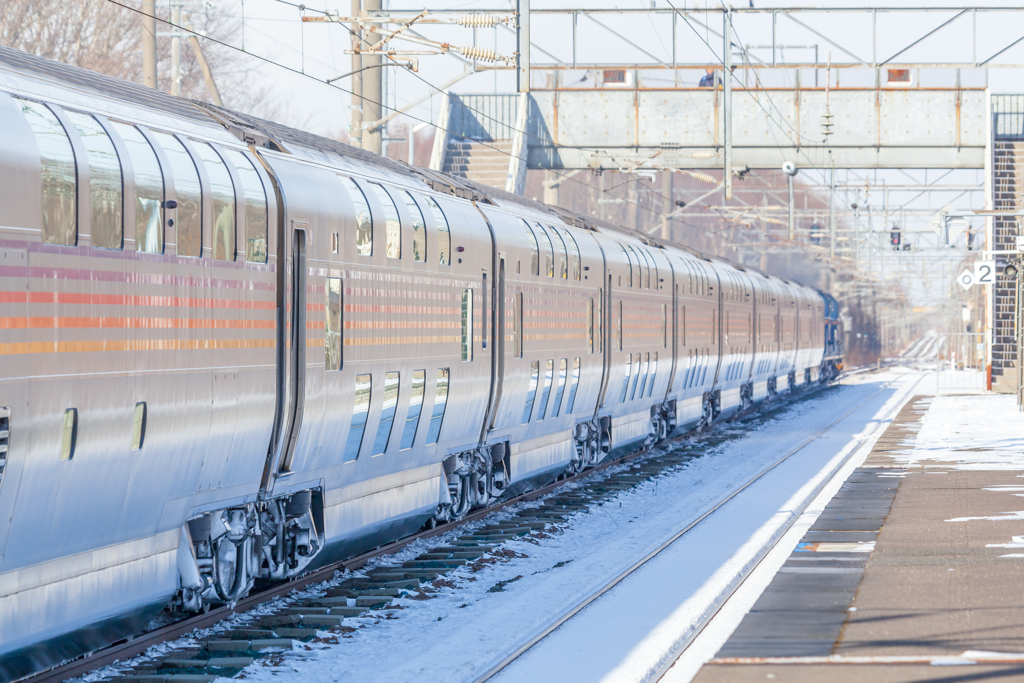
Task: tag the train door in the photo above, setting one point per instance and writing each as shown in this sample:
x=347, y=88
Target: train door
x=296, y=325
x=497, y=314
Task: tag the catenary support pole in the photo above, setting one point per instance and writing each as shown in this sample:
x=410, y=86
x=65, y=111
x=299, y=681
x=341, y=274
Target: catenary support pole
x=373, y=86
x=727, y=101
x=176, y=50
x=792, y=218
x=356, y=126
x=149, y=43
x=832, y=214
x=522, y=45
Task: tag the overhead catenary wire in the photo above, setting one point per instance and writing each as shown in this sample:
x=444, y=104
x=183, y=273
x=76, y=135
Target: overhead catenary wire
x=383, y=105
x=489, y=117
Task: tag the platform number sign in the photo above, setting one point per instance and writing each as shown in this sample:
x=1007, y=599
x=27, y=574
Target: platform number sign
x=984, y=272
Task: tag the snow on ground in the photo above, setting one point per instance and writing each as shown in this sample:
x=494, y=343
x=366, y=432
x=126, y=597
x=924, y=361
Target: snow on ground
x=655, y=611
x=477, y=618
x=970, y=433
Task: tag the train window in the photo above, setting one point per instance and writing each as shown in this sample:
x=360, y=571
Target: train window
x=412, y=415
x=106, y=189
x=682, y=326
x=222, y=193
x=531, y=393
x=255, y=206
x=618, y=323
x=636, y=376
x=69, y=435
x=563, y=266
x=393, y=225
x=444, y=236
x=664, y=326
x=188, y=193
x=467, y=324
x=364, y=221
x=549, y=252
x=630, y=262
x=517, y=324
x=625, y=380
x=534, y=251
x=332, y=325
x=634, y=257
x=577, y=265
x=138, y=424
x=392, y=381
x=360, y=408
x=643, y=375
x=573, y=385
x=559, y=387
x=149, y=190
x=590, y=325
x=545, y=393
x=642, y=253
x=419, y=229
x=654, y=375
x=59, y=180
x=440, y=404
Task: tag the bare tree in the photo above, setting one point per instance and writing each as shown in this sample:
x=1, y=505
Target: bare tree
x=106, y=37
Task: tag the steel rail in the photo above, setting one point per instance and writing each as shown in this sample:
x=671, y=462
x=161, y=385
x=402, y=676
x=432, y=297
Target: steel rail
x=579, y=607
x=136, y=645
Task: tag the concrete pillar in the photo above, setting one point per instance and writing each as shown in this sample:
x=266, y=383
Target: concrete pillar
x=523, y=46
x=356, y=126
x=373, y=91
x=149, y=43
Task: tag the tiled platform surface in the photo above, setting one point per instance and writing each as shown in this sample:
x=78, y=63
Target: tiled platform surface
x=883, y=573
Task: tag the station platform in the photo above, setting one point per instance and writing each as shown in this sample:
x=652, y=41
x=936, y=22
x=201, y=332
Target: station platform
x=915, y=569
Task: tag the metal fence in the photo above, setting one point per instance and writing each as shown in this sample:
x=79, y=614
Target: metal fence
x=484, y=117
x=960, y=366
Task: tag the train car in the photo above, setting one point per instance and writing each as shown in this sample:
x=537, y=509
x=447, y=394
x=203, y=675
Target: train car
x=832, y=359
x=233, y=351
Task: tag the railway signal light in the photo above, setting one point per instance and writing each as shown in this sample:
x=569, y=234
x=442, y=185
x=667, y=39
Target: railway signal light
x=894, y=239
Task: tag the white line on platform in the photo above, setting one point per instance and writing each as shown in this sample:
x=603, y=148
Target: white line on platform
x=731, y=612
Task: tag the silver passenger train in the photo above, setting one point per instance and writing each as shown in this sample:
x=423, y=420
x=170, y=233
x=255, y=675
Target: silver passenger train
x=232, y=351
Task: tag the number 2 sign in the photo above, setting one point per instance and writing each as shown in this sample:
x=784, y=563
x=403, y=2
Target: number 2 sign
x=984, y=272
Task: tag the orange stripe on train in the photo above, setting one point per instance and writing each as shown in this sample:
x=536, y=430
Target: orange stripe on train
x=126, y=300
x=134, y=345
x=40, y=322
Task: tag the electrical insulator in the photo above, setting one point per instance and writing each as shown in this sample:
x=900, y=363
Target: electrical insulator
x=702, y=176
x=479, y=20
x=704, y=155
x=481, y=53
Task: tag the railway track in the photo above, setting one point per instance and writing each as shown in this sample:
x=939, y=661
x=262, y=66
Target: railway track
x=690, y=525
x=309, y=617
